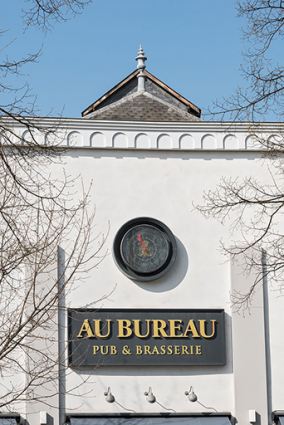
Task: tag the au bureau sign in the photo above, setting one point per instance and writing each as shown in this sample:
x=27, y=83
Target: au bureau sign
x=146, y=337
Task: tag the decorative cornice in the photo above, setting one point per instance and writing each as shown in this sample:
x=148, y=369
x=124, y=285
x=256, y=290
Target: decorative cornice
x=187, y=136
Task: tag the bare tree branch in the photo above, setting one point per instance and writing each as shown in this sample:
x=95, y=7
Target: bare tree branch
x=37, y=215
x=263, y=93
x=252, y=209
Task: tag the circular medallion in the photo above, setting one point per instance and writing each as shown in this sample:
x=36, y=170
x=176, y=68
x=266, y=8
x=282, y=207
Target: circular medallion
x=144, y=249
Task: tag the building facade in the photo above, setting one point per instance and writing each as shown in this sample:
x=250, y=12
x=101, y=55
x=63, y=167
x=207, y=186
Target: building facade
x=151, y=334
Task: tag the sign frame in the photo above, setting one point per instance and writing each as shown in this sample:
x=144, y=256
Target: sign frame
x=185, y=339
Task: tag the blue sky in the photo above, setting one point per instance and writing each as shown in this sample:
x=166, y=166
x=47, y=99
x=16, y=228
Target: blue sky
x=192, y=46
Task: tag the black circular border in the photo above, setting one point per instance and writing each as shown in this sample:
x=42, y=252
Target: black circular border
x=145, y=277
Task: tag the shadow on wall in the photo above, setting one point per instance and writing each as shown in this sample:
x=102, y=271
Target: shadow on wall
x=165, y=154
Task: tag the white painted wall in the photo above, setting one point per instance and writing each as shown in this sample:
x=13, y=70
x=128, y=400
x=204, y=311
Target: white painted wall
x=160, y=171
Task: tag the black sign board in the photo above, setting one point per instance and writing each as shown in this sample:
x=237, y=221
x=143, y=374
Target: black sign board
x=146, y=337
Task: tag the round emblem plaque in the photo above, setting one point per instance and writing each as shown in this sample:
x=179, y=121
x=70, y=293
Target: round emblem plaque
x=144, y=249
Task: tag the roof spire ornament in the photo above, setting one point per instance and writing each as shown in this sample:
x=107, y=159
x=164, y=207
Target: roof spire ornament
x=141, y=58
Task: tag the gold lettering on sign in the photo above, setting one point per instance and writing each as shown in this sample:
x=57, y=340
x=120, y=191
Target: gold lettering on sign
x=124, y=330
x=147, y=349
x=98, y=333
x=95, y=349
x=171, y=328
x=139, y=350
x=155, y=350
x=191, y=328
x=198, y=349
x=105, y=350
x=177, y=350
x=137, y=328
x=86, y=328
x=113, y=350
x=184, y=350
x=170, y=350
x=175, y=326
x=202, y=328
x=159, y=329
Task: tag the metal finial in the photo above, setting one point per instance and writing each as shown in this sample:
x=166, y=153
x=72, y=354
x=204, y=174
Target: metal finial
x=141, y=58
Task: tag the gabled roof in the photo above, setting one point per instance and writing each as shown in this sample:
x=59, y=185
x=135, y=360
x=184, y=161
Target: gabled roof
x=142, y=107
x=158, y=102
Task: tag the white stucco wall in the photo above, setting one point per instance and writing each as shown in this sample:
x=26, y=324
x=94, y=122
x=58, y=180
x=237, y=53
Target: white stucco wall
x=161, y=171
